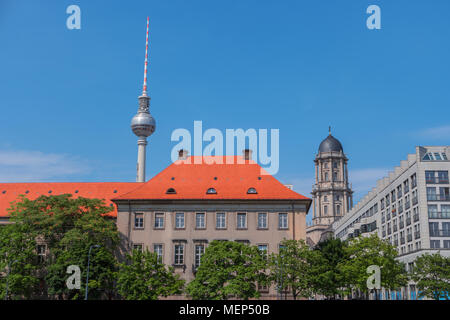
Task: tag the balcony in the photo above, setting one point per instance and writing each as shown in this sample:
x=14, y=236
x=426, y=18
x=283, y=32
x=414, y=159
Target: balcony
x=439, y=233
x=414, y=201
x=400, y=209
x=409, y=237
x=408, y=221
x=417, y=235
x=438, y=197
x=436, y=180
x=399, y=194
x=395, y=228
x=388, y=216
x=407, y=205
x=413, y=183
x=401, y=225
x=389, y=231
x=439, y=215
x=406, y=189
x=383, y=219
x=416, y=217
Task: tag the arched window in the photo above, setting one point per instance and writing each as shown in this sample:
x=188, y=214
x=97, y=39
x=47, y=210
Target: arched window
x=252, y=191
x=211, y=191
x=171, y=191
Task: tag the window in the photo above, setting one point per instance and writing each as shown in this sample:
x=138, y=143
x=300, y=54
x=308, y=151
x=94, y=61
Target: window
x=221, y=220
x=241, y=220
x=41, y=249
x=137, y=246
x=139, y=220
x=437, y=156
x=179, y=254
x=325, y=210
x=282, y=221
x=431, y=193
x=252, y=191
x=200, y=222
x=325, y=165
x=435, y=244
x=443, y=176
x=211, y=191
x=179, y=220
x=335, y=164
x=444, y=156
x=262, y=220
x=434, y=229
x=325, y=198
x=159, y=220
x=337, y=197
x=171, y=191
x=335, y=176
x=263, y=249
x=338, y=209
x=158, y=249
x=326, y=176
x=429, y=176
x=199, y=251
x=446, y=244
x=432, y=211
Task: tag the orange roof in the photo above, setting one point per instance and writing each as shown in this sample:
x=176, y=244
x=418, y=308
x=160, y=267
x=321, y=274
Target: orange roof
x=102, y=190
x=231, y=181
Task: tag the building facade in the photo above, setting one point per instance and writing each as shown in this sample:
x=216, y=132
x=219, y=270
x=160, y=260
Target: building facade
x=410, y=208
x=332, y=194
x=189, y=204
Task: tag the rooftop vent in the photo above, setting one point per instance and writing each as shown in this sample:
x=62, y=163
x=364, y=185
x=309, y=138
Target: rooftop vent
x=247, y=154
x=182, y=154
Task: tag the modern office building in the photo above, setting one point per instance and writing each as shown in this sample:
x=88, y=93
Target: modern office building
x=332, y=194
x=410, y=208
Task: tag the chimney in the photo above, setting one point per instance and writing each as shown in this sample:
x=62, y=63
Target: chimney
x=247, y=154
x=182, y=154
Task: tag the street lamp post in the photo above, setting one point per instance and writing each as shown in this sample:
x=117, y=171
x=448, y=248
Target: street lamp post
x=87, y=275
x=10, y=263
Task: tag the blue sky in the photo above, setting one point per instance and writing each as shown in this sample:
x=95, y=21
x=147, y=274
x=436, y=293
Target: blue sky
x=67, y=96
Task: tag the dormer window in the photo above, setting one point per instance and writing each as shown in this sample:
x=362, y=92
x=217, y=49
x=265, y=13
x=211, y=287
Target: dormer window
x=252, y=191
x=211, y=191
x=171, y=191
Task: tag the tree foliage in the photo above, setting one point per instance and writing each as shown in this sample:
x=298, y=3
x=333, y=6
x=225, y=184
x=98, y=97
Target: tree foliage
x=228, y=269
x=144, y=277
x=328, y=281
x=432, y=276
x=294, y=268
x=67, y=227
x=363, y=252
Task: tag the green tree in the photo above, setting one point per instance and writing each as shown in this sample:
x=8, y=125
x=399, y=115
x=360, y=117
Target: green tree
x=328, y=280
x=144, y=277
x=363, y=252
x=68, y=227
x=432, y=276
x=18, y=250
x=294, y=268
x=228, y=269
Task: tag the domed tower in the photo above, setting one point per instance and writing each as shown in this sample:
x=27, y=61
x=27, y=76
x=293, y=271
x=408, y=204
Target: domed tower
x=143, y=124
x=332, y=194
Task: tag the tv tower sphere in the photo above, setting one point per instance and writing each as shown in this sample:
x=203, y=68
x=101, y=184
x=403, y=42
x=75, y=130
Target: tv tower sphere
x=143, y=124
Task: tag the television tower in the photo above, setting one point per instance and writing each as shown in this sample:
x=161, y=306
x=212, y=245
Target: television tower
x=143, y=124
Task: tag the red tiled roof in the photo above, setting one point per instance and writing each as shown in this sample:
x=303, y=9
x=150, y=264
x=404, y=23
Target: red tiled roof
x=102, y=190
x=231, y=181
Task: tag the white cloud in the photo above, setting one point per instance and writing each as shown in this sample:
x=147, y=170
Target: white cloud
x=36, y=166
x=436, y=133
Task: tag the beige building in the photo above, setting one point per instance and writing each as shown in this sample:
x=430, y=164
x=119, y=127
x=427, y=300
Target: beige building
x=186, y=206
x=332, y=194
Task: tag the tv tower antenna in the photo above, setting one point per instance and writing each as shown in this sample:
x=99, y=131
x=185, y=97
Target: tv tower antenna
x=143, y=124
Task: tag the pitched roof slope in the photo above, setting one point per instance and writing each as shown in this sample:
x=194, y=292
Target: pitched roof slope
x=102, y=190
x=230, y=179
